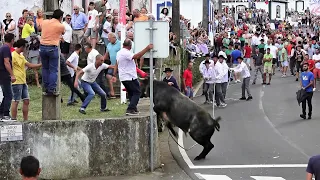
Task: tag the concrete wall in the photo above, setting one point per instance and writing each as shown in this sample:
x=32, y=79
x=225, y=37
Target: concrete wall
x=74, y=149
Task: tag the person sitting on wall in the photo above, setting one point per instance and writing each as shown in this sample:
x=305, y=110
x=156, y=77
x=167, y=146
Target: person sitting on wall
x=170, y=79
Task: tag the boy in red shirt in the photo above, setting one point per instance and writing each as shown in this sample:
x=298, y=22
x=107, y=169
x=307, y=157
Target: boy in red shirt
x=187, y=79
x=247, y=54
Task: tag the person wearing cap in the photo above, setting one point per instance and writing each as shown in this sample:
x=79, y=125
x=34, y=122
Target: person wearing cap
x=208, y=76
x=202, y=67
x=219, y=73
x=243, y=69
x=170, y=79
x=93, y=25
x=225, y=78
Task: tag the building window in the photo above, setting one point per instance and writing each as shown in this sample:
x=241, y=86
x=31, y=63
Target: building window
x=278, y=11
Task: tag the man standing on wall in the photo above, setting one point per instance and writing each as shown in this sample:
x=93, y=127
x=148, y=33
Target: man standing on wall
x=52, y=30
x=6, y=76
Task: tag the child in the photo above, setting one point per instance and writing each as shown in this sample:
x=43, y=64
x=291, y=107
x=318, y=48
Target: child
x=20, y=87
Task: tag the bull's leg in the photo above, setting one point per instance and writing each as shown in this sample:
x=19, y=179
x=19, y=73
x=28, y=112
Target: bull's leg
x=204, y=140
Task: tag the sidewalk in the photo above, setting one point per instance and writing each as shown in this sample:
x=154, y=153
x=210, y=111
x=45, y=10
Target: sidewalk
x=170, y=170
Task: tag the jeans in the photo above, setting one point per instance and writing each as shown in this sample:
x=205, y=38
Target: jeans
x=189, y=92
x=304, y=104
x=7, y=98
x=50, y=59
x=256, y=70
x=208, y=91
x=67, y=79
x=134, y=92
x=91, y=89
x=218, y=94
x=224, y=87
x=246, y=86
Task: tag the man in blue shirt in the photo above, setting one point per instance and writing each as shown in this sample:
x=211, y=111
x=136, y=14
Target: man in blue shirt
x=235, y=54
x=313, y=168
x=306, y=83
x=112, y=49
x=79, y=22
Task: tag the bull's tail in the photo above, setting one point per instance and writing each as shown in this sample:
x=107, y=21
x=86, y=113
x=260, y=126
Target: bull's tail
x=216, y=123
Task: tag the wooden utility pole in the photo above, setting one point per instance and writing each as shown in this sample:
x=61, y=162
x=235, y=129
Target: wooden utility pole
x=176, y=19
x=220, y=6
x=205, y=14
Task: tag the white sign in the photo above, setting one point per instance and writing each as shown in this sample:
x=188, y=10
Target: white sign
x=160, y=38
x=11, y=133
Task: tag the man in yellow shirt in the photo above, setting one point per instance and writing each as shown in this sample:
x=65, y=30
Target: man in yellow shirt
x=138, y=16
x=20, y=87
x=28, y=28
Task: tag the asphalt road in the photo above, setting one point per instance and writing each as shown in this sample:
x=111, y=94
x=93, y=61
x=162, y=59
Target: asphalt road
x=262, y=139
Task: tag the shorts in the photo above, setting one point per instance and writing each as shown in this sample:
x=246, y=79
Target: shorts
x=110, y=71
x=65, y=47
x=247, y=60
x=20, y=91
x=267, y=69
x=34, y=60
x=91, y=33
x=316, y=73
x=274, y=60
x=189, y=92
x=284, y=63
x=298, y=66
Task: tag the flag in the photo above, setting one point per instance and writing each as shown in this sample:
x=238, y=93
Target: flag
x=267, y=1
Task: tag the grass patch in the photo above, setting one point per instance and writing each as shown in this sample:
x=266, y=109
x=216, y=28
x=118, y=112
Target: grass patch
x=71, y=112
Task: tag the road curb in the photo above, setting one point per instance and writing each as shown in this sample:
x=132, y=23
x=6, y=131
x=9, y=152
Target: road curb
x=198, y=86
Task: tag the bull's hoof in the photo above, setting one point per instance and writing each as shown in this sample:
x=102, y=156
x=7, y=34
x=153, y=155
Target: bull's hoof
x=199, y=158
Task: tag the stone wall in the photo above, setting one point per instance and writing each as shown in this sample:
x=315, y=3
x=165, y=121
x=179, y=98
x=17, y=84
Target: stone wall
x=84, y=148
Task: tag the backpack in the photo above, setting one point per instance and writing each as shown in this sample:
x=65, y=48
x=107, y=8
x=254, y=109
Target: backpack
x=34, y=43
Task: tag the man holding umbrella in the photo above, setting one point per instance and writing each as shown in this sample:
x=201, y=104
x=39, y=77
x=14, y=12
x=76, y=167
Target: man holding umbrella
x=170, y=79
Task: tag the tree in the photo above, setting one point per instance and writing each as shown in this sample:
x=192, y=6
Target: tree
x=176, y=19
x=205, y=14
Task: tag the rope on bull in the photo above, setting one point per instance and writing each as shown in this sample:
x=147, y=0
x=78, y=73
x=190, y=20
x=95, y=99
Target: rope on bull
x=179, y=144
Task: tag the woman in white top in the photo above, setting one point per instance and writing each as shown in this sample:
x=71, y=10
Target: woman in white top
x=106, y=30
x=9, y=25
x=164, y=14
x=66, y=37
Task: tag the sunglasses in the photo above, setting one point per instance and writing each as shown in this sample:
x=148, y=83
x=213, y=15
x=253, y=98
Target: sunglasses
x=8, y=16
x=75, y=9
x=69, y=18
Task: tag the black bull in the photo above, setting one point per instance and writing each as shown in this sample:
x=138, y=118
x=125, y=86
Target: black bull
x=175, y=108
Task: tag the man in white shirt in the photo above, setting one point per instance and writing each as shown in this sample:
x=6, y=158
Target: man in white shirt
x=225, y=78
x=274, y=52
x=128, y=74
x=89, y=85
x=316, y=71
x=72, y=65
x=107, y=28
x=219, y=74
x=93, y=25
x=208, y=76
x=202, y=67
x=91, y=59
x=243, y=69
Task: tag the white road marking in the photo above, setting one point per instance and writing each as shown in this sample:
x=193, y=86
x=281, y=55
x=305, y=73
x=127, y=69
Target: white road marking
x=250, y=166
x=212, y=177
x=266, y=178
x=182, y=151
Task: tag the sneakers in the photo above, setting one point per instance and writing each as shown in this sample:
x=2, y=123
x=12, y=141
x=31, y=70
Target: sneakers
x=82, y=111
x=132, y=113
x=303, y=116
x=253, y=83
x=243, y=98
x=314, y=89
x=249, y=98
x=7, y=118
x=105, y=110
x=223, y=105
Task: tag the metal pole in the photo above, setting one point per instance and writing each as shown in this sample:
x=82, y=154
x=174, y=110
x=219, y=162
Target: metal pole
x=151, y=95
x=213, y=98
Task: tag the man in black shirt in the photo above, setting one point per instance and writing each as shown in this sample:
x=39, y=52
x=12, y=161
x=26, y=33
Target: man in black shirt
x=170, y=79
x=67, y=79
x=257, y=62
x=6, y=76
